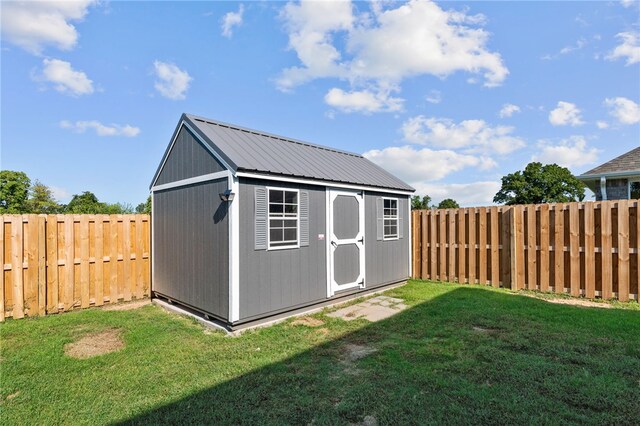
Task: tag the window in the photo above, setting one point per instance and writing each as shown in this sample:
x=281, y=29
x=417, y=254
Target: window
x=634, y=190
x=390, y=218
x=283, y=218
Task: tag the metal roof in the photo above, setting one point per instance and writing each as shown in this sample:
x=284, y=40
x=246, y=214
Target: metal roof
x=259, y=152
x=627, y=162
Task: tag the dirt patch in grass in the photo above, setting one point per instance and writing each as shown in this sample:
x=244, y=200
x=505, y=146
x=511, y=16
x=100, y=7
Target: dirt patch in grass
x=308, y=321
x=579, y=302
x=480, y=329
x=128, y=306
x=95, y=344
x=13, y=395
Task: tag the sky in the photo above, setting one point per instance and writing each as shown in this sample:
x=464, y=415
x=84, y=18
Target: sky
x=449, y=96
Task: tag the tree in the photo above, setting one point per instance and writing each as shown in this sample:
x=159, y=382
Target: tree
x=86, y=203
x=14, y=191
x=539, y=183
x=144, y=207
x=41, y=200
x=420, y=204
x=448, y=203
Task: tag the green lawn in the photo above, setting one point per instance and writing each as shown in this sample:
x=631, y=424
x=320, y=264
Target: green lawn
x=459, y=354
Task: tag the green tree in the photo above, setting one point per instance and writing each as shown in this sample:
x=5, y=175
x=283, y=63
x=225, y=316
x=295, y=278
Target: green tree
x=14, y=192
x=86, y=203
x=448, y=203
x=41, y=200
x=145, y=207
x=420, y=204
x=118, y=208
x=539, y=183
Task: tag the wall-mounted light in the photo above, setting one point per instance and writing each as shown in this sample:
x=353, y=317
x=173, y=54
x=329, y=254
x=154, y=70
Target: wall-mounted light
x=227, y=195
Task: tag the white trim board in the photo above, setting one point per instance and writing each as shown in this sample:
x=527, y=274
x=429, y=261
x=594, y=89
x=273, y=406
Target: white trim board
x=234, y=250
x=323, y=183
x=190, y=181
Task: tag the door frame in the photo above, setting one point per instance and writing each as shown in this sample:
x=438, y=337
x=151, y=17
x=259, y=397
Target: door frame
x=359, y=240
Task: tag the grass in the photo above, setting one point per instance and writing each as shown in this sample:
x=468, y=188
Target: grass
x=459, y=354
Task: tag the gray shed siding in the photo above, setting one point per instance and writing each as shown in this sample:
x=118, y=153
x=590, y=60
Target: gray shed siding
x=272, y=281
x=191, y=246
x=187, y=159
x=386, y=261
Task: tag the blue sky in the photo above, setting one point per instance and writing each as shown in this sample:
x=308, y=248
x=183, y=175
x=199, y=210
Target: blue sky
x=449, y=96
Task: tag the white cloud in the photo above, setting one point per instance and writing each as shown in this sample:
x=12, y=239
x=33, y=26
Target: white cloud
x=565, y=114
x=624, y=110
x=230, y=20
x=580, y=43
x=628, y=3
x=385, y=46
x=101, y=129
x=571, y=152
x=629, y=48
x=423, y=164
x=602, y=124
x=474, y=194
x=434, y=97
x=508, y=110
x=172, y=82
x=472, y=135
x=60, y=194
x=32, y=25
x=364, y=101
x=64, y=78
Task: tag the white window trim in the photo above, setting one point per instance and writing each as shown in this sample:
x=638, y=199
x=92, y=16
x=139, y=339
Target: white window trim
x=297, y=218
x=397, y=237
x=629, y=182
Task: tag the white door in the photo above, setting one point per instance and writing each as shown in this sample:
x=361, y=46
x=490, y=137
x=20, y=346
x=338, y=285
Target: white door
x=346, y=240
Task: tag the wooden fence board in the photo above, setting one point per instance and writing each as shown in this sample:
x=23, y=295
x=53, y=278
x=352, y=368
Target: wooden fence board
x=495, y=247
x=482, y=246
x=623, y=251
x=69, y=263
x=113, y=260
x=98, y=255
x=589, y=251
x=574, y=249
x=424, y=232
x=2, y=307
x=42, y=265
x=607, y=257
x=433, y=253
x=17, y=253
x=415, y=243
x=472, y=253
x=126, y=257
x=451, y=241
x=543, y=279
x=139, y=253
x=462, y=276
x=442, y=220
x=84, y=261
x=558, y=248
x=532, y=251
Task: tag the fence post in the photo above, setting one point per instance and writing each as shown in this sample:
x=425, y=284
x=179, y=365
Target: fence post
x=2, y=271
x=516, y=248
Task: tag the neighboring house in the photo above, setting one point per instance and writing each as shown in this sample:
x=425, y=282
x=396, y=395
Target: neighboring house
x=618, y=179
x=249, y=226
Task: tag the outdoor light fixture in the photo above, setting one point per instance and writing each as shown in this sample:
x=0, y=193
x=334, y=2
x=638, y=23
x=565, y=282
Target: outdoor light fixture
x=227, y=195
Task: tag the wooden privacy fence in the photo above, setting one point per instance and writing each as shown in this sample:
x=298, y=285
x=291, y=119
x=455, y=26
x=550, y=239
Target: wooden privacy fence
x=588, y=249
x=55, y=263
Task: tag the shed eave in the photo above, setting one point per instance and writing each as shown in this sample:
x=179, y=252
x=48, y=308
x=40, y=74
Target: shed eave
x=258, y=174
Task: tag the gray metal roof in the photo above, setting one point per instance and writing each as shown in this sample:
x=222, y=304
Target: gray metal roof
x=259, y=152
x=627, y=162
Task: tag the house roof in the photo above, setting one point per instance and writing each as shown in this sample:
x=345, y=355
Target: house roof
x=259, y=152
x=627, y=162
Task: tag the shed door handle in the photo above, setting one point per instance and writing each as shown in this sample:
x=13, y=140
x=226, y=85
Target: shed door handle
x=333, y=243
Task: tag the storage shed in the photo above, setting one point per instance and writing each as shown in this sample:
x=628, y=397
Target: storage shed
x=250, y=226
